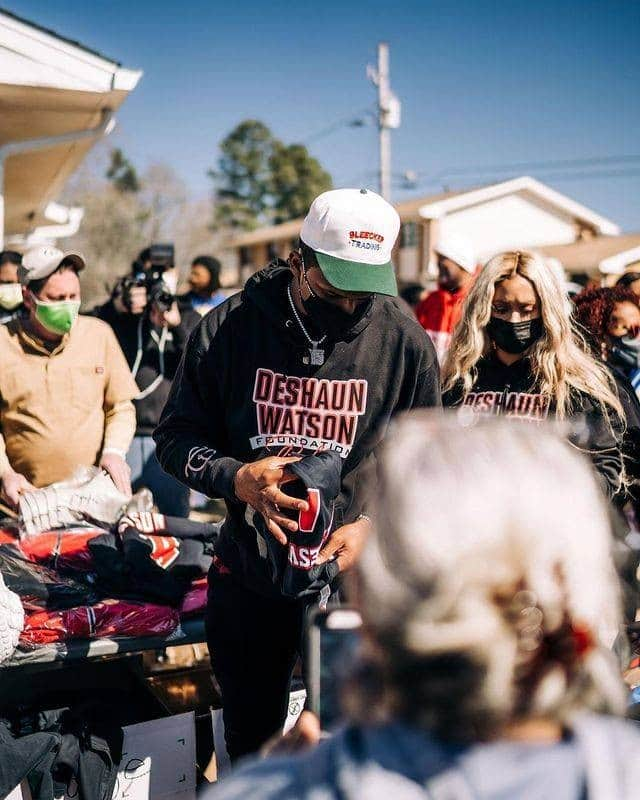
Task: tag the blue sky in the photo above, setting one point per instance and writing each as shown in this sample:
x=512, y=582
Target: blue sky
x=482, y=83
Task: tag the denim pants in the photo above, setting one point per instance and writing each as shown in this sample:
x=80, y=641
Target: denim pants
x=171, y=497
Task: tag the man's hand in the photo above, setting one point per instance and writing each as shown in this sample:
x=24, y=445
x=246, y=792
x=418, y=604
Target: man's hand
x=170, y=318
x=345, y=544
x=119, y=471
x=258, y=485
x=13, y=485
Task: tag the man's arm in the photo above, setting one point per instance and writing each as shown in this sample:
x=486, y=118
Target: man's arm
x=190, y=443
x=188, y=436
x=119, y=427
x=119, y=414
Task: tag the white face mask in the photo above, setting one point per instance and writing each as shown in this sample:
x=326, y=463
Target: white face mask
x=10, y=295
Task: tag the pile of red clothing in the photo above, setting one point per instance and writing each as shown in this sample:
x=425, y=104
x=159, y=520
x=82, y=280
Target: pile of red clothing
x=84, y=582
x=104, y=619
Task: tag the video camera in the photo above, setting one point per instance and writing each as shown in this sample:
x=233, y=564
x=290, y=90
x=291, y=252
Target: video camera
x=149, y=274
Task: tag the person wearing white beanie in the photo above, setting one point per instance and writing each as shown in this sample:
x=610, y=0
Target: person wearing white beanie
x=440, y=311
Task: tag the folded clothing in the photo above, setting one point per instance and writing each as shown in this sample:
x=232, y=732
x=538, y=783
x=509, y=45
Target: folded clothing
x=40, y=587
x=105, y=619
x=65, y=549
x=159, y=566
x=195, y=600
x=89, y=494
x=153, y=523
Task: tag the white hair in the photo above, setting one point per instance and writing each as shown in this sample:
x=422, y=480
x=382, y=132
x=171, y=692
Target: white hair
x=489, y=563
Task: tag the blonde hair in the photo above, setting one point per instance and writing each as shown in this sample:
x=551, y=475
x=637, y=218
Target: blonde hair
x=561, y=362
x=472, y=526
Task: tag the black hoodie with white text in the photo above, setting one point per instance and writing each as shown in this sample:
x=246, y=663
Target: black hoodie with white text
x=243, y=386
x=510, y=390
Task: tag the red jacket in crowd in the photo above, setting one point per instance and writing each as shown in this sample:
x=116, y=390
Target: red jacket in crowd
x=439, y=313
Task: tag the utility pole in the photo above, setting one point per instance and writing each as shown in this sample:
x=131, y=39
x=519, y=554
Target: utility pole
x=388, y=115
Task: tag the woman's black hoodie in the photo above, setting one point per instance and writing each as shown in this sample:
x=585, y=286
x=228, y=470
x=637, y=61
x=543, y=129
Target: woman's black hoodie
x=511, y=391
x=243, y=386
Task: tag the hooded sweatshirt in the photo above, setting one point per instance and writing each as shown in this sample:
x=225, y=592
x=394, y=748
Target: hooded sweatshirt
x=511, y=391
x=245, y=385
x=396, y=761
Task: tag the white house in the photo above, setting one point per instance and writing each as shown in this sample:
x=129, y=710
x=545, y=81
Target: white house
x=519, y=213
x=606, y=256
x=57, y=98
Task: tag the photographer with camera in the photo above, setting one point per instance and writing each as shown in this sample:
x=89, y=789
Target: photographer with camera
x=153, y=332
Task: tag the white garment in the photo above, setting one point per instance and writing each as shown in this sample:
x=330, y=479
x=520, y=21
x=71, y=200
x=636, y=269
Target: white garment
x=11, y=620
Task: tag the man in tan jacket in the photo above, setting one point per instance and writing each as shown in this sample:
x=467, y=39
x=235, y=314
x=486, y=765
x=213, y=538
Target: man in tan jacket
x=65, y=387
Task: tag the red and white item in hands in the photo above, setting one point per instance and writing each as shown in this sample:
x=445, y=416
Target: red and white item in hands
x=105, y=619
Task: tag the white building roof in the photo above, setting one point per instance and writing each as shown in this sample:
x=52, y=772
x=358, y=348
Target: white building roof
x=50, y=86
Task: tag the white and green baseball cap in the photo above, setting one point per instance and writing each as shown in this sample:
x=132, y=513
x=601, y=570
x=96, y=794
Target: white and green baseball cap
x=352, y=232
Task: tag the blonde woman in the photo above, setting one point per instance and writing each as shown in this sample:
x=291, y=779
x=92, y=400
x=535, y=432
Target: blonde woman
x=517, y=353
x=486, y=670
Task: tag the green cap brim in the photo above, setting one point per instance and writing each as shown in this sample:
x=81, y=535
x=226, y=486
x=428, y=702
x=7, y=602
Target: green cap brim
x=353, y=276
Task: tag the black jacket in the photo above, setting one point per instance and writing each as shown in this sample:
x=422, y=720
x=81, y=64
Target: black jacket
x=510, y=391
x=132, y=329
x=243, y=386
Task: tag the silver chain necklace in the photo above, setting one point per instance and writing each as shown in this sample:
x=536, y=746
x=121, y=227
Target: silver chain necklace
x=316, y=353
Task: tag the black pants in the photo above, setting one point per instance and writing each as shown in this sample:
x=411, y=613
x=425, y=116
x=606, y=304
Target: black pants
x=254, y=642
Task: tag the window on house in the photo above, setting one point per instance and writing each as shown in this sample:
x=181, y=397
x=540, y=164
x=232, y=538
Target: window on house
x=409, y=234
x=245, y=256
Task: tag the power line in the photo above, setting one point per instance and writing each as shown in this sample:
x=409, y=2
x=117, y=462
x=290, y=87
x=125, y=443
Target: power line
x=504, y=172
x=353, y=121
x=537, y=165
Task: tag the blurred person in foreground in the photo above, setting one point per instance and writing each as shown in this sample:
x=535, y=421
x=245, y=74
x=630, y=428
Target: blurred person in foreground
x=11, y=304
x=65, y=388
x=518, y=353
x=441, y=310
x=313, y=355
x=204, y=285
x=485, y=671
x=152, y=330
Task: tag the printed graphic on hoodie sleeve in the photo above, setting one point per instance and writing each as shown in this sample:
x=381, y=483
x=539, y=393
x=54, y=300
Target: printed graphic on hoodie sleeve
x=308, y=414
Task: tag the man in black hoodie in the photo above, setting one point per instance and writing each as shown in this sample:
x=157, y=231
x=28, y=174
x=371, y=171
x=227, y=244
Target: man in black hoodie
x=312, y=355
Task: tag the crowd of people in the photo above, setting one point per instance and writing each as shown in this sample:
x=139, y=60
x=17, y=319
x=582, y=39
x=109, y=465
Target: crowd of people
x=478, y=549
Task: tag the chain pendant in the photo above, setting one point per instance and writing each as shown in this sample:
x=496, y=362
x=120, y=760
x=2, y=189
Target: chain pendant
x=316, y=355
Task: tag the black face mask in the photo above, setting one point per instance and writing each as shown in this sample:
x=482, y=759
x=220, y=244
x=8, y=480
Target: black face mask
x=626, y=352
x=514, y=337
x=327, y=317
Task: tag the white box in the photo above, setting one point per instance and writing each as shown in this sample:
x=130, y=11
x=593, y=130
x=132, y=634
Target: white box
x=158, y=760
